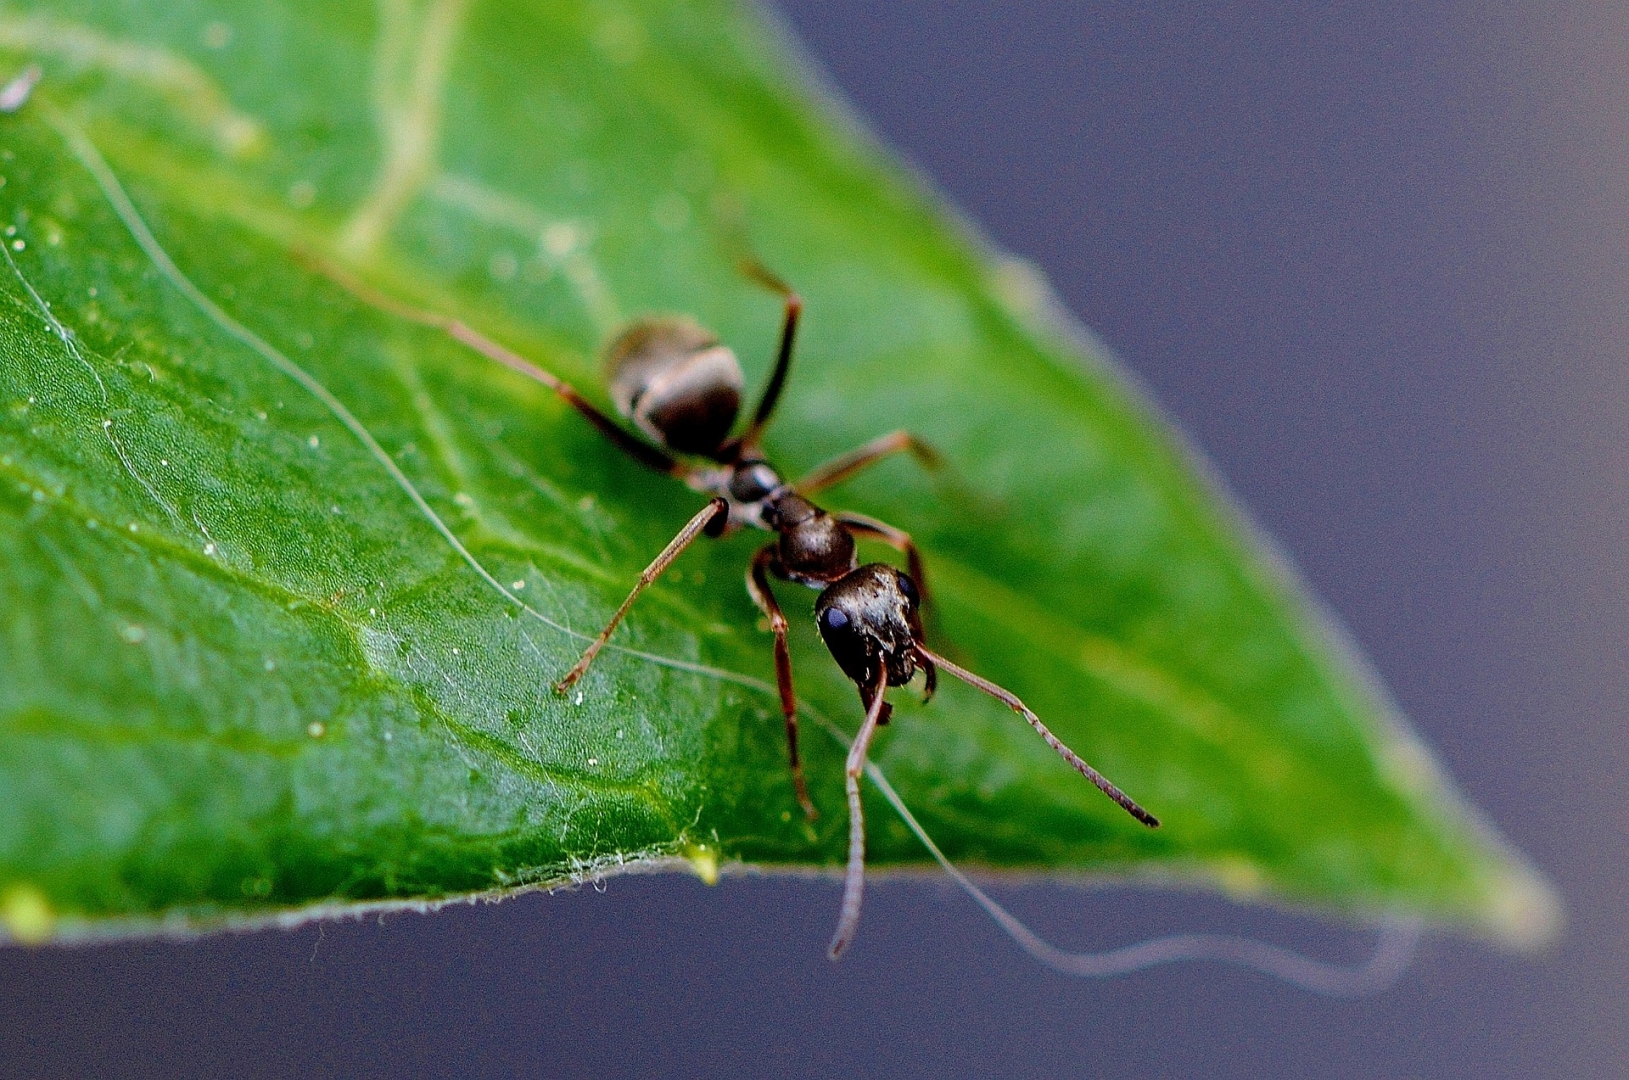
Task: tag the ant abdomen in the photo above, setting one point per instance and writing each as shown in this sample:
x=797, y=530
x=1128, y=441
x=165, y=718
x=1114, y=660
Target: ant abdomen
x=675, y=381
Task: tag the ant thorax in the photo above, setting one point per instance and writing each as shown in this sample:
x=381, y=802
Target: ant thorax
x=750, y=487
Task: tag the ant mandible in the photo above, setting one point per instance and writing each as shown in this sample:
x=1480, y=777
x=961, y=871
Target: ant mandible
x=682, y=388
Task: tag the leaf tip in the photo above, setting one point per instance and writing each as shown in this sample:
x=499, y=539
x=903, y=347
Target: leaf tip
x=1523, y=910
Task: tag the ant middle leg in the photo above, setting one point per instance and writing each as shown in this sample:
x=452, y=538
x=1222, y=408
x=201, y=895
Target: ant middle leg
x=846, y=465
x=898, y=539
x=710, y=520
x=758, y=588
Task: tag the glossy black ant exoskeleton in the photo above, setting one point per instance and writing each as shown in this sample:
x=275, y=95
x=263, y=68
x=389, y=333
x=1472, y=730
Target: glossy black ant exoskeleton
x=682, y=389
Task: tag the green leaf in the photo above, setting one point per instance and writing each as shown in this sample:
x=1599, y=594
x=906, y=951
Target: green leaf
x=285, y=578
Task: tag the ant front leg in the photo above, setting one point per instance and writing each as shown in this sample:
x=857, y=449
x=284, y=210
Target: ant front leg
x=758, y=588
x=848, y=920
x=711, y=520
x=841, y=468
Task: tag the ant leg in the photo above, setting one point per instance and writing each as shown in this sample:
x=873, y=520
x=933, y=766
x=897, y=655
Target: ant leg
x=758, y=589
x=466, y=335
x=1009, y=699
x=783, y=359
x=898, y=539
x=854, y=878
x=841, y=468
x=710, y=520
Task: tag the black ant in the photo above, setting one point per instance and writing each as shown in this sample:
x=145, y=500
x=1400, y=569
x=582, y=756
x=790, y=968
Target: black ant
x=682, y=388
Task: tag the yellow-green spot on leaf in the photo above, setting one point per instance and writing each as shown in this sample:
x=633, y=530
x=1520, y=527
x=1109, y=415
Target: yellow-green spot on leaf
x=703, y=860
x=26, y=915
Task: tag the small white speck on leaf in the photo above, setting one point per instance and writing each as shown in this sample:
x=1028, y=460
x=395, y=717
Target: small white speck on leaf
x=134, y=633
x=502, y=266
x=271, y=665
x=217, y=35
x=593, y=761
x=517, y=585
x=209, y=548
x=313, y=442
x=18, y=244
x=316, y=729
x=578, y=700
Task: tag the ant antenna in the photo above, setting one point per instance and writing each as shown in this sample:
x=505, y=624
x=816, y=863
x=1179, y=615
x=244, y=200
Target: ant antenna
x=1009, y=699
x=1398, y=938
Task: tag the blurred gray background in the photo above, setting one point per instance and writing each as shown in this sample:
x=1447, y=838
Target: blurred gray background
x=1375, y=259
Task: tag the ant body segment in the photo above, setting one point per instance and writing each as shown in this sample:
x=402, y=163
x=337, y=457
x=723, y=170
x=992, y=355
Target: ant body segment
x=682, y=389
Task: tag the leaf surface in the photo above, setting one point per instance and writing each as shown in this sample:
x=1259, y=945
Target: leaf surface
x=285, y=578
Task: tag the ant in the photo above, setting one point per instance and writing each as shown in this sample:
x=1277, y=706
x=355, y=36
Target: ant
x=682, y=389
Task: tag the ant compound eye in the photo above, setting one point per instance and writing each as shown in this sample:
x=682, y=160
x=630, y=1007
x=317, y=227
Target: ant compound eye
x=834, y=618
x=908, y=587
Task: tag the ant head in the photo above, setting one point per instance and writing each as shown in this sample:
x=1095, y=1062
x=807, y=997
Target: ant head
x=869, y=618
x=674, y=380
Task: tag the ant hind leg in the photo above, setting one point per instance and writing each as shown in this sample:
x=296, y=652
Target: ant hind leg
x=650, y=456
x=762, y=275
